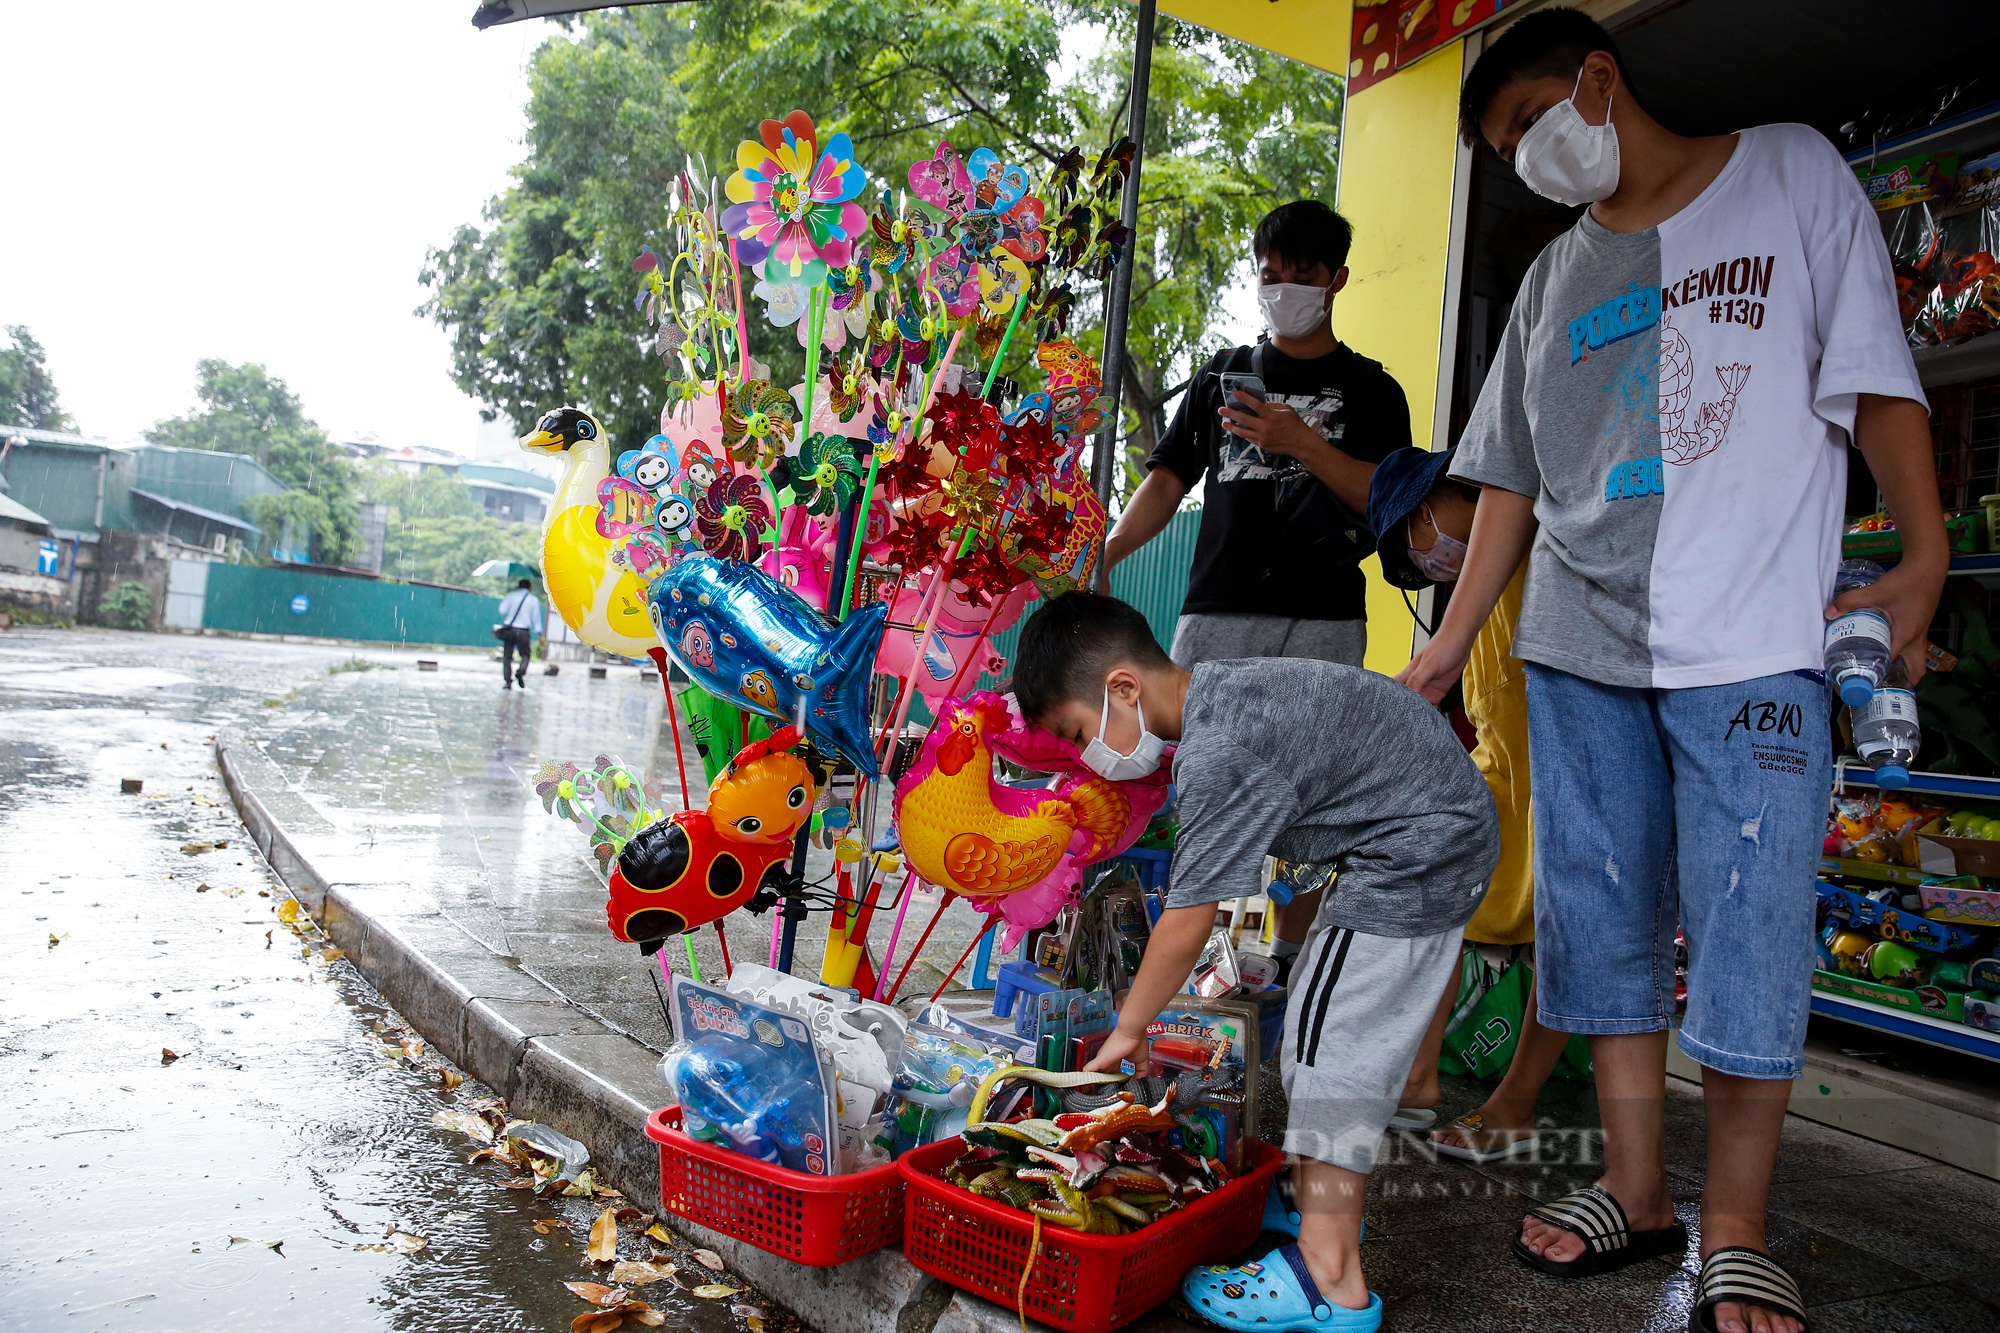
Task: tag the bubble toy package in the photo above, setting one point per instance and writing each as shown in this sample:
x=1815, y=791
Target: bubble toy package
x=751, y=1079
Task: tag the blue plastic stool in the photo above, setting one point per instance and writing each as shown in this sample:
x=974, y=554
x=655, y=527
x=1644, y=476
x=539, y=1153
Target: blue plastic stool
x=1017, y=978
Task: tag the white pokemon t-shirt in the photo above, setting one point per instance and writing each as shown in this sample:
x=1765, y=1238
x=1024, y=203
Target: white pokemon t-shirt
x=1678, y=402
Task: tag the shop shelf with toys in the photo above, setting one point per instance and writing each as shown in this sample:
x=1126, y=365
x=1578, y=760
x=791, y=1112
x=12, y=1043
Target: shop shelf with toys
x=1909, y=914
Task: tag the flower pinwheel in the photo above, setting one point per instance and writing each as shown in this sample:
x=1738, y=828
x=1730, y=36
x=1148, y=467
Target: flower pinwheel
x=826, y=475
x=793, y=202
x=732, y=517
x=884, y=425
x=898, y=240
x=941, y=181
x=566, y=790
x=957, y=281
x=967, y=427
x=970, y=500
x=758, y=422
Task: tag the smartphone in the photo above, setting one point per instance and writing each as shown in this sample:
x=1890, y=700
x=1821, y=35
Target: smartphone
x=1234, y=382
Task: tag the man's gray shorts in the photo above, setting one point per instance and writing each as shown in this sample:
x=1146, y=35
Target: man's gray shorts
x=1214, y=638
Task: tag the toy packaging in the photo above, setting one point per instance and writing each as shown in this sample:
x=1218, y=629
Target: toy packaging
x=936, y=1076
x=751, y=1078
x=1208, y=1050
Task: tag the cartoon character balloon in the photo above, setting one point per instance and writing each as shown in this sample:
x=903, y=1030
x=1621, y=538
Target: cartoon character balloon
x=1018, y=851
x=744, y=637
x=933, y=656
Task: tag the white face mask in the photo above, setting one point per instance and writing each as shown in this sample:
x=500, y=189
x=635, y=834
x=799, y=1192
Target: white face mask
x=1108, y=763
x=1565, y=158
x=1445, y=557
x=1294, y=309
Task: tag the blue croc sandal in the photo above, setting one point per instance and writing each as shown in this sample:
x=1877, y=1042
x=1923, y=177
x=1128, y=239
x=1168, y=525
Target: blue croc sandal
x=1281, y=1212
x=1281, y=1209
x=1273, y=1295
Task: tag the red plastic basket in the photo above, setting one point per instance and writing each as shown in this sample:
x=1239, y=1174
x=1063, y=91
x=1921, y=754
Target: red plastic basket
x=1088, y=1284
x=815, y=1220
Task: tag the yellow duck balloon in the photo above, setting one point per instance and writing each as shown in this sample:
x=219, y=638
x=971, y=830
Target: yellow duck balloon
x=605, y=605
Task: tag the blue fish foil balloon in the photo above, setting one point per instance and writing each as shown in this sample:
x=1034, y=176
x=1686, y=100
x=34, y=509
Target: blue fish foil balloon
x=746, y=638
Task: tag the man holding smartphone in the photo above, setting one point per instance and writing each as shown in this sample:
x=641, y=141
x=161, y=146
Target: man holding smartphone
x=1288, y=449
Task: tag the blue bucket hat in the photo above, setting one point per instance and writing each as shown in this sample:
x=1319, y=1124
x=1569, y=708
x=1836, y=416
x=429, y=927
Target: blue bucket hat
x=1402, y=482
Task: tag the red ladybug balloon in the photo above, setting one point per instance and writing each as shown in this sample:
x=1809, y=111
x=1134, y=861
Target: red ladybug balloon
x=699, y=865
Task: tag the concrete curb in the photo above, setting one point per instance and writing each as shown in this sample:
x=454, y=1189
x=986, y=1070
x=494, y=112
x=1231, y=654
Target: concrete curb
x=556, y=1063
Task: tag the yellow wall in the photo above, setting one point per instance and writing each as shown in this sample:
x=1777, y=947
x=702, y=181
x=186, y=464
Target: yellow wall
x=1398, y=153
x=1313, y=32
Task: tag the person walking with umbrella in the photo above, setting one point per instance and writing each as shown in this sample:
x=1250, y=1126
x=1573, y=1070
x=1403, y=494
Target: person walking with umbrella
x=520, y=624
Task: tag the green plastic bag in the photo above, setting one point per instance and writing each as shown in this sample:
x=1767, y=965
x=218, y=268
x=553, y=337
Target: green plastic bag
x=716, y=727
x=1485, y=1024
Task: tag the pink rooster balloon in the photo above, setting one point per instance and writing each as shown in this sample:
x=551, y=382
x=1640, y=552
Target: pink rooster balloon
x=1017, y=851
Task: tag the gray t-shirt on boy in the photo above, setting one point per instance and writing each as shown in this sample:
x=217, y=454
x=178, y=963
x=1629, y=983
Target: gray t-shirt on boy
x=1313, y=761
x=1678, y=402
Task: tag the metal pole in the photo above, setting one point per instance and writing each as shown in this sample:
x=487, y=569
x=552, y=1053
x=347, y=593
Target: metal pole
x=1118, y=308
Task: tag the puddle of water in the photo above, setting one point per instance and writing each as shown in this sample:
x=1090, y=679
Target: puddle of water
x=144, y=1193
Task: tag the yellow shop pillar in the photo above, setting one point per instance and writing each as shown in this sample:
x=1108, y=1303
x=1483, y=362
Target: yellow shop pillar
x=1398, y=161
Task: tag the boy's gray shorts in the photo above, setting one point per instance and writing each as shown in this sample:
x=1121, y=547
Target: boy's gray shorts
x=1358, y=1011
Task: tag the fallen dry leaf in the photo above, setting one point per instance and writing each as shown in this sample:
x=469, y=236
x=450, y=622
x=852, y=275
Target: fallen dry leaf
x=709, y=1259
x=53, y=941
x=520, y=1183
x=196, y=848
x=472, y=1126
x=715, y=1291
x=449, y=1079
x=276, y=1245
x=754, y=1324
x=290, y=911
x=603, y=1247
x=596, y=1292
x=659, y=1233
x=201, y=888
x=746, y=1311
x=631, y=1273
x=167, y=1057
x=332, y=955
x=628, y=1214
x=402, y=1242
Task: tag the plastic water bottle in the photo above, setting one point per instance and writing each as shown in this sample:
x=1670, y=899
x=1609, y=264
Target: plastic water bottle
x=1886, y=731
x=1857, y=644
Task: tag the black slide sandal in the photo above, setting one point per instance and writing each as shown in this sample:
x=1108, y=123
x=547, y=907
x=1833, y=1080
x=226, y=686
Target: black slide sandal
x=1747, y=1277
x=1595, y=1217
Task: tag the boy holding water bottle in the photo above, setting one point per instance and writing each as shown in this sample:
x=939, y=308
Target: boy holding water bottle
x=1664, y=437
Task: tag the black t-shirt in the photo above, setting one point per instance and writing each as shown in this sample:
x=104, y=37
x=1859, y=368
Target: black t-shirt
x=1248, y=560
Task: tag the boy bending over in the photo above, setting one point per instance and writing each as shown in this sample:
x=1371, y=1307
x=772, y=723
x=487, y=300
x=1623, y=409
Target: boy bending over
x=1308, y=761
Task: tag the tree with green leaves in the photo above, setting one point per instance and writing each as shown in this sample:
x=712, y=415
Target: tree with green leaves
x=438, y=533
x=244, y=409
x=538, y=301
x=27, y=390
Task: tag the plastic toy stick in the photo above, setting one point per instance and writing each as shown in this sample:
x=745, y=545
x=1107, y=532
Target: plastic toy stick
x=659, y=656
x=918, y=952
x=815, y=321
x=742, y=323
x=728, y=968
x=1013, y=322
x=694, y=968
x=860, y=531
x=991, y=922
x=895, y=931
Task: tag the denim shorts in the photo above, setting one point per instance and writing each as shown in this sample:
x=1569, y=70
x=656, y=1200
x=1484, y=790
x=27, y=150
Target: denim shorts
x=1703, y=808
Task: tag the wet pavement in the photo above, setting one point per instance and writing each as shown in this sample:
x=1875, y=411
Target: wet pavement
x=420, y=778
x=212, y=1120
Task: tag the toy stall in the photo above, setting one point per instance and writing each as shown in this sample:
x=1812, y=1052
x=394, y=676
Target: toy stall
x=818, y=571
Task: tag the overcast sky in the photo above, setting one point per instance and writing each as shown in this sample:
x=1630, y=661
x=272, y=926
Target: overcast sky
x=255, y=180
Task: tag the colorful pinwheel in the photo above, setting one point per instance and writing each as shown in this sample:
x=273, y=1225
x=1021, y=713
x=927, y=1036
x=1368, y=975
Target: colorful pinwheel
x=732, y=517
x=826, y=475
x=758, y=422
x=566, y=791
x=793, y=202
